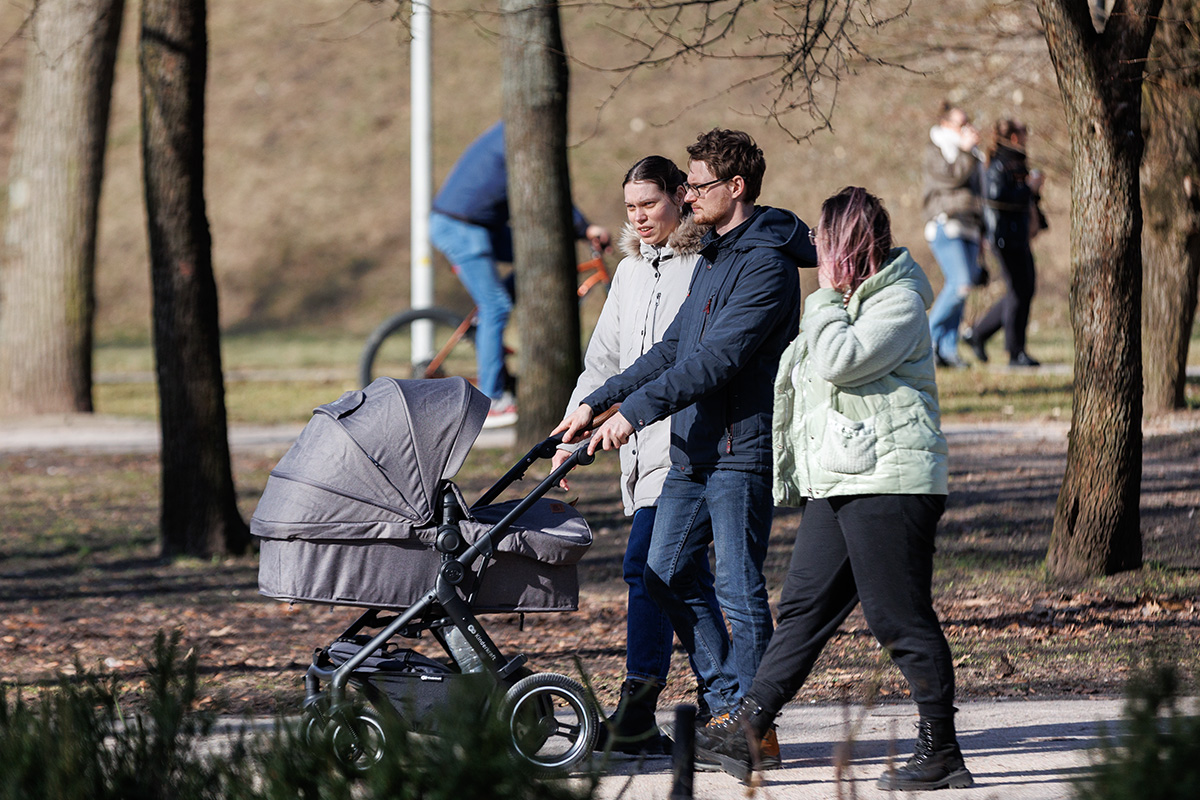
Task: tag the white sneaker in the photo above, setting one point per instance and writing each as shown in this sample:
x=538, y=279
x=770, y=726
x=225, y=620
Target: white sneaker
x=503, y=412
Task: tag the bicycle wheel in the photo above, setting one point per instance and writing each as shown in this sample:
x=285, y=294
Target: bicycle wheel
x=388, y=351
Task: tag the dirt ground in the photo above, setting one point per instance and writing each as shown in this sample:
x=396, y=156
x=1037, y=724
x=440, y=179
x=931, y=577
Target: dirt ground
x=82, y=585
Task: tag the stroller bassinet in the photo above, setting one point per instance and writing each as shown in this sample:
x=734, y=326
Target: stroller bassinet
x=347, y=516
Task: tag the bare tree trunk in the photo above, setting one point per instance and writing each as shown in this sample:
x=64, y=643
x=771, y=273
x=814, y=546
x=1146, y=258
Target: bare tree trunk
x=539, y=197
x=199, y=510
x=1171, y=204
x=1096, y=520
x=47, y=297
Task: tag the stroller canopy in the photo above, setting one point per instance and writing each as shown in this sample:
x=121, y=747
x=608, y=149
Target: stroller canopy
x=368, y=464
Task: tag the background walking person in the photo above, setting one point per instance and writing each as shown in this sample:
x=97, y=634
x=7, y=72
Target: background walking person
x=1011, y=207
x=952, y=174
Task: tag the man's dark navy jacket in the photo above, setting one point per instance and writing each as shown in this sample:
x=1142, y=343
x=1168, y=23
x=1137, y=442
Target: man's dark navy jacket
x=714, y=368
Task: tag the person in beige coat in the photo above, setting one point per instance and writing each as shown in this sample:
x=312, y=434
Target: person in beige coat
x=661, y=245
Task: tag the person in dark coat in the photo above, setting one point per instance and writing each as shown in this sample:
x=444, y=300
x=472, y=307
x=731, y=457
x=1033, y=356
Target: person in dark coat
x=713, y=373
x=1011, y=195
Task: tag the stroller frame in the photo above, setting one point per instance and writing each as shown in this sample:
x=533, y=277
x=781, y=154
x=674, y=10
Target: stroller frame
x=530, y=699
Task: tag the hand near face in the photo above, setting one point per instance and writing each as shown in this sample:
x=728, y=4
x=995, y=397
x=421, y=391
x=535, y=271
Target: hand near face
x=968, y=138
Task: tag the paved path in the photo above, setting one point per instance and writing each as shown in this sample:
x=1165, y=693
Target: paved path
x=97, y=433
x=1016, y=749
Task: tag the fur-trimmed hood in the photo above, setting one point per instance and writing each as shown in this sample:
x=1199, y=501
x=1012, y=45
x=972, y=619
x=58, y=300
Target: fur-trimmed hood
x=685, y=240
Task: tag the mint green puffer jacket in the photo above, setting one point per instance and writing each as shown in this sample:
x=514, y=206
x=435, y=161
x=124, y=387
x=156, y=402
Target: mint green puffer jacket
x=856, y=405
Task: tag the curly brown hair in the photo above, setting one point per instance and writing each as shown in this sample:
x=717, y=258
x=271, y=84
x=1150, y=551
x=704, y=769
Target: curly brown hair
x=729, y=153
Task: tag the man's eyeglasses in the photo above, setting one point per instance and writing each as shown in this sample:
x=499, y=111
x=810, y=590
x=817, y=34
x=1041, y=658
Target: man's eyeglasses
x=701, y=189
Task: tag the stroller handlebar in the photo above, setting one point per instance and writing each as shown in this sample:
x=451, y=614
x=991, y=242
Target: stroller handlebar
x=545, y=449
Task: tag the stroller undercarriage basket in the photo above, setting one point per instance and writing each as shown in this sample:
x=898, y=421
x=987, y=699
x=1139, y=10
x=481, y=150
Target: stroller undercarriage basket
x=361, y=512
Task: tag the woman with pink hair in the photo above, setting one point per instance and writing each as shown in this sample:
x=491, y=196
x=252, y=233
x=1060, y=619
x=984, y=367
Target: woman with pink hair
x=858, y=445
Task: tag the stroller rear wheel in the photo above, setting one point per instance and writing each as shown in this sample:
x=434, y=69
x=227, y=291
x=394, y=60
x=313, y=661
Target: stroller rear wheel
x=551, y=721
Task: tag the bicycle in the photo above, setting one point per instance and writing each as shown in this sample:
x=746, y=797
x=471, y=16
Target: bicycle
x=388, y=350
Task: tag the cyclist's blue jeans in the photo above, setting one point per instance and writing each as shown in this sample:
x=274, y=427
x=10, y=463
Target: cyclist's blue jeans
x=649, y=636
x=959, y=262
x=732, y=509
x=471, y=250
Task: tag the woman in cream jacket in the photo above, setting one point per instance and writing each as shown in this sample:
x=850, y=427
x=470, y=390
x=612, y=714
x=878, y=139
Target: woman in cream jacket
x=661, y=245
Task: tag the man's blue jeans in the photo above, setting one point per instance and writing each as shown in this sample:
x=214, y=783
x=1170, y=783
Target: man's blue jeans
x=649, y=637
x=732, y=510
x=959, y=262
x=471, y=249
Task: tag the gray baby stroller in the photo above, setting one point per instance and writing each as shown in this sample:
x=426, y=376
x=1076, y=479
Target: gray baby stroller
x=361, y=512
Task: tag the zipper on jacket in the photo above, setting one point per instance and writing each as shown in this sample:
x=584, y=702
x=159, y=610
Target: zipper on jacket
x=649, y=322
x=729, y=441
x=707, y=310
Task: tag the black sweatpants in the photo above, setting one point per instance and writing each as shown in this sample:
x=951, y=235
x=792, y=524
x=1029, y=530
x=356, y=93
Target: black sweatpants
x=877, y=549
x=1011, y=312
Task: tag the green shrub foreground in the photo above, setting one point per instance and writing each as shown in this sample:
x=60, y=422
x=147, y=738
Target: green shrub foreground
x=1157, y=754
x=73, y=744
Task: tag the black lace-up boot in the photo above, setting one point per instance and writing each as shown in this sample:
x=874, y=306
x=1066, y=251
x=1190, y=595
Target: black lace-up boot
x=632, y=728
x=740, y=741
x=936, y=762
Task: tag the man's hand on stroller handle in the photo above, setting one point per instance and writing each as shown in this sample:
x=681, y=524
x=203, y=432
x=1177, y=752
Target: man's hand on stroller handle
x=614, y=432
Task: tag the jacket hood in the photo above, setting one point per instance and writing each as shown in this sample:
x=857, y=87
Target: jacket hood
x=778, y=228
x=900, y=270
x=685, y=240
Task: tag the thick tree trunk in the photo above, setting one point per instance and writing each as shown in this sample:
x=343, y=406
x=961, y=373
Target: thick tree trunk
x=1171, y=204
x=199, y=512
x=539, y=198
x=47, y=296
x=1096, y=520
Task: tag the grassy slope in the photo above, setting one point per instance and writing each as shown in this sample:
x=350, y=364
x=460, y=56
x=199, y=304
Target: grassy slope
x=307, y=172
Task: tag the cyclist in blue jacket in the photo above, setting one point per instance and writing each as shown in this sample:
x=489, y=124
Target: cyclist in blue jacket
x=469, y=225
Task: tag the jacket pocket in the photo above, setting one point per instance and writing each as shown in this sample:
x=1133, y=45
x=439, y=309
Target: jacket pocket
x=849, y=446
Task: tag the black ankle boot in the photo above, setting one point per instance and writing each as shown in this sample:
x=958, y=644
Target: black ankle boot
x=936, y=762
x=632, y=728
x=735, y=740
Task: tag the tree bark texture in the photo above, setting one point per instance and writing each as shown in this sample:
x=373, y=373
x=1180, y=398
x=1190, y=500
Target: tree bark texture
x=1171, y=204
x=47, y=297
x=199, y=512
x=539, y=196
x=1096, y=520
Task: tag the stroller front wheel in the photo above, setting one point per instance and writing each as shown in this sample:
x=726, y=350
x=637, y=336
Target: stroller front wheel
x=551, y=721
x=356, y=736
